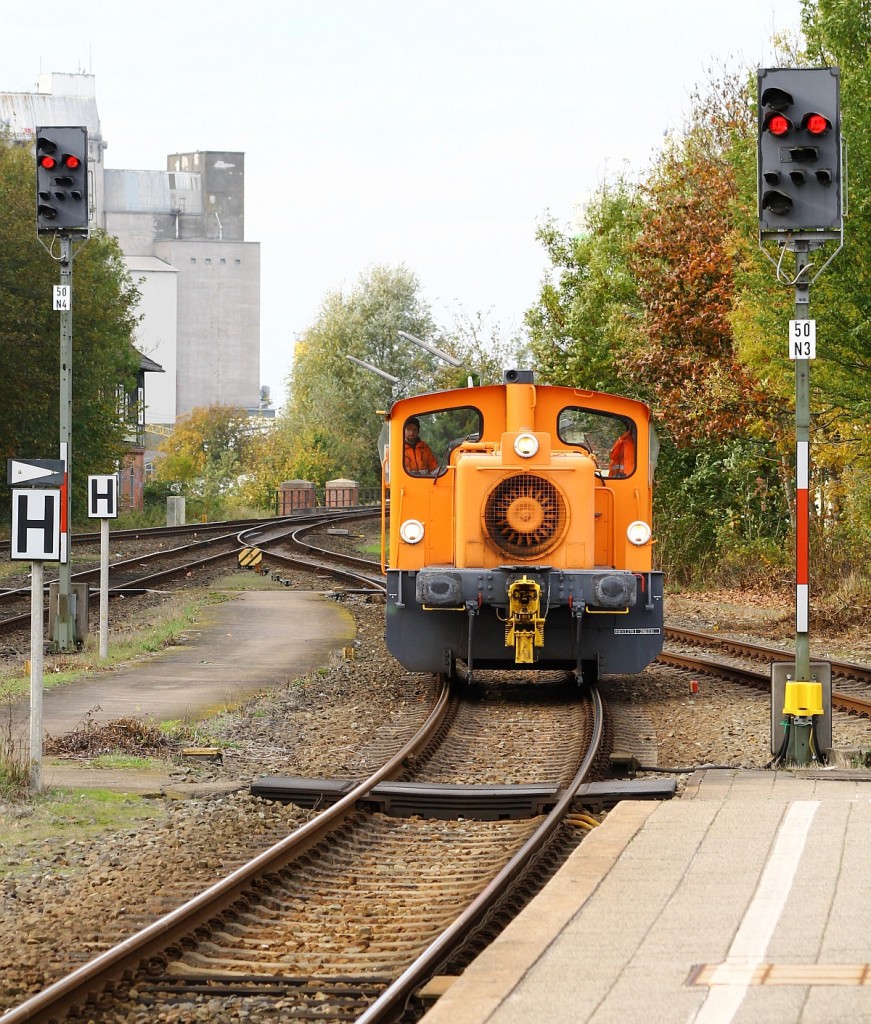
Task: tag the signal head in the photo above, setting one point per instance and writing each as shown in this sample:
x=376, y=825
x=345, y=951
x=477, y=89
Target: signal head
x=62, y=180
x=799, y=154
x=816, y=124
x=778, y=202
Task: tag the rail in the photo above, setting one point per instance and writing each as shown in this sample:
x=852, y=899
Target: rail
x=396, y=995
x=54, y=1001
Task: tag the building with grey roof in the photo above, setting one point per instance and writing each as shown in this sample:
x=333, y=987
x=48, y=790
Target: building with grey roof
x=182, y=232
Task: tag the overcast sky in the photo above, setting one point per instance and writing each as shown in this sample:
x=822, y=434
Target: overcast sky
x=431, y=134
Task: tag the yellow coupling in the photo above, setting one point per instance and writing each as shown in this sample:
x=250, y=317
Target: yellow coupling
x=524, y=627
x=801, y=700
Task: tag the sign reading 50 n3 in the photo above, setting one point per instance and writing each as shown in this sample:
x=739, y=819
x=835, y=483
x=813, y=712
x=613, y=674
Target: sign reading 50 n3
x=802, y=339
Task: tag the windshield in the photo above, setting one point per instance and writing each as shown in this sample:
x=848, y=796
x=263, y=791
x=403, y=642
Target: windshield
x=610, y=439
x=429, y=438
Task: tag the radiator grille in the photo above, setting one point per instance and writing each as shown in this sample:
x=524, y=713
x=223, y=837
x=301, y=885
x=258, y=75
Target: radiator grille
x=525, y=515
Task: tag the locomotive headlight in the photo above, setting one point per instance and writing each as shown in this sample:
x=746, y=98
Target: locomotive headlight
x=411, y=531
x=526, y=445
x=638, y=532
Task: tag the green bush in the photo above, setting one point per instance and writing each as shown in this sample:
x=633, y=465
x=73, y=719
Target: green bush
x=760, y=562
x=714, y=502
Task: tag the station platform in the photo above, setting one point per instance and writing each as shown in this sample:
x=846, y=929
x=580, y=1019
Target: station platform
x=746, y=900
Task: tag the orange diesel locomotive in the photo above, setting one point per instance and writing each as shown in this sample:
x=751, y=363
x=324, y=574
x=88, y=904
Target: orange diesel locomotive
x=520, y=535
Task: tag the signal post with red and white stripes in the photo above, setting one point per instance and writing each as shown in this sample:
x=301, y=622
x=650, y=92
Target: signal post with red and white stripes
x=801, y=208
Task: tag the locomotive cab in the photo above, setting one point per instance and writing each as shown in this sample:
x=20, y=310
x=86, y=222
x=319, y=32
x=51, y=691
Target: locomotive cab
x=523, y=538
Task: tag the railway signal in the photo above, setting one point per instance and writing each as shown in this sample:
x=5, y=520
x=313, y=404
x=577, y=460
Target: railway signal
x=63, y=211
x=62, y=180
x=799, y=153
x=801, y=201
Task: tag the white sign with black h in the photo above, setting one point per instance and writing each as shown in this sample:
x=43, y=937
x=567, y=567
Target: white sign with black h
x=103, y=497
x=36, y=524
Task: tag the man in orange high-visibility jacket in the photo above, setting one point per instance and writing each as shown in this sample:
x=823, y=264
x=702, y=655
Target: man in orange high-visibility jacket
x=622, y=460
x=417, y=456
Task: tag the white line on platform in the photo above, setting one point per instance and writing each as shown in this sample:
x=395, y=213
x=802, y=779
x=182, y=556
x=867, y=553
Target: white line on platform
x=730, y=980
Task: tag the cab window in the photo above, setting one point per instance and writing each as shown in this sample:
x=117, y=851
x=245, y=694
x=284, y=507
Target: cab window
x=610, y=439
x=430, y=437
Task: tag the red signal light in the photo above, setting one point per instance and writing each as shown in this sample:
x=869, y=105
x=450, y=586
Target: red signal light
x=48, y=162
x=777, y=124
x=816, y=124
x=72, y=162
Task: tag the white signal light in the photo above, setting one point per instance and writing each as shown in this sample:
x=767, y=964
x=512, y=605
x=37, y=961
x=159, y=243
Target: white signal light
x=638, y=532
x=411, y=531
x=526, y=445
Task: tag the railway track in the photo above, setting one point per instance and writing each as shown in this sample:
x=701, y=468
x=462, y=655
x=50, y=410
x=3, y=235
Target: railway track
x=324, y=904
x=296, y=549
x=351, y=905
x=162, y=533
x=158, y=568
x=853, y=680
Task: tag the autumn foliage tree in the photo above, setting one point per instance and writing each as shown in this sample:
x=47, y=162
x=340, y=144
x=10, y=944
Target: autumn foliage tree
x=683, y=263
x=644, y=302
x=207, y=455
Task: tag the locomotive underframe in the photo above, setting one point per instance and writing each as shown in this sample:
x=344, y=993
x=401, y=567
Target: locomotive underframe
x=437, y=616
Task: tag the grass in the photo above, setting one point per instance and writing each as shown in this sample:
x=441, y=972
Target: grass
x=142, y=764
x=247, y=581
x=14, y=765
x=39, y=829
x=165, y=627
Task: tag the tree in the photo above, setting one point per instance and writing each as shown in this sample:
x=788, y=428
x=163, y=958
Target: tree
x=104, y=360
x=484, y=348
x=268, y=463
x=206, y=454
x=591, y=311
x=331, y=423
x=643, y=305
x=683, y=263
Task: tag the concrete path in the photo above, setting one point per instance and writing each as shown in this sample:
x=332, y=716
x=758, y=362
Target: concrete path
x=256, y=640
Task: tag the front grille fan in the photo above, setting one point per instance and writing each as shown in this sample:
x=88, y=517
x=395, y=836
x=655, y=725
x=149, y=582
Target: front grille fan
x=525, y=515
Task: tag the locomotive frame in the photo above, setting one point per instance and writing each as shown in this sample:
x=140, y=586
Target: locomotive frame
x=530, y=544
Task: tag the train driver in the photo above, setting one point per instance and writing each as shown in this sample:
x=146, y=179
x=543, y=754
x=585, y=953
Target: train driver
x=417, y=455
x=622, y=459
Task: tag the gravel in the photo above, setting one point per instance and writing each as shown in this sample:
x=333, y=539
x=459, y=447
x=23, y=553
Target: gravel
x=67, y=898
